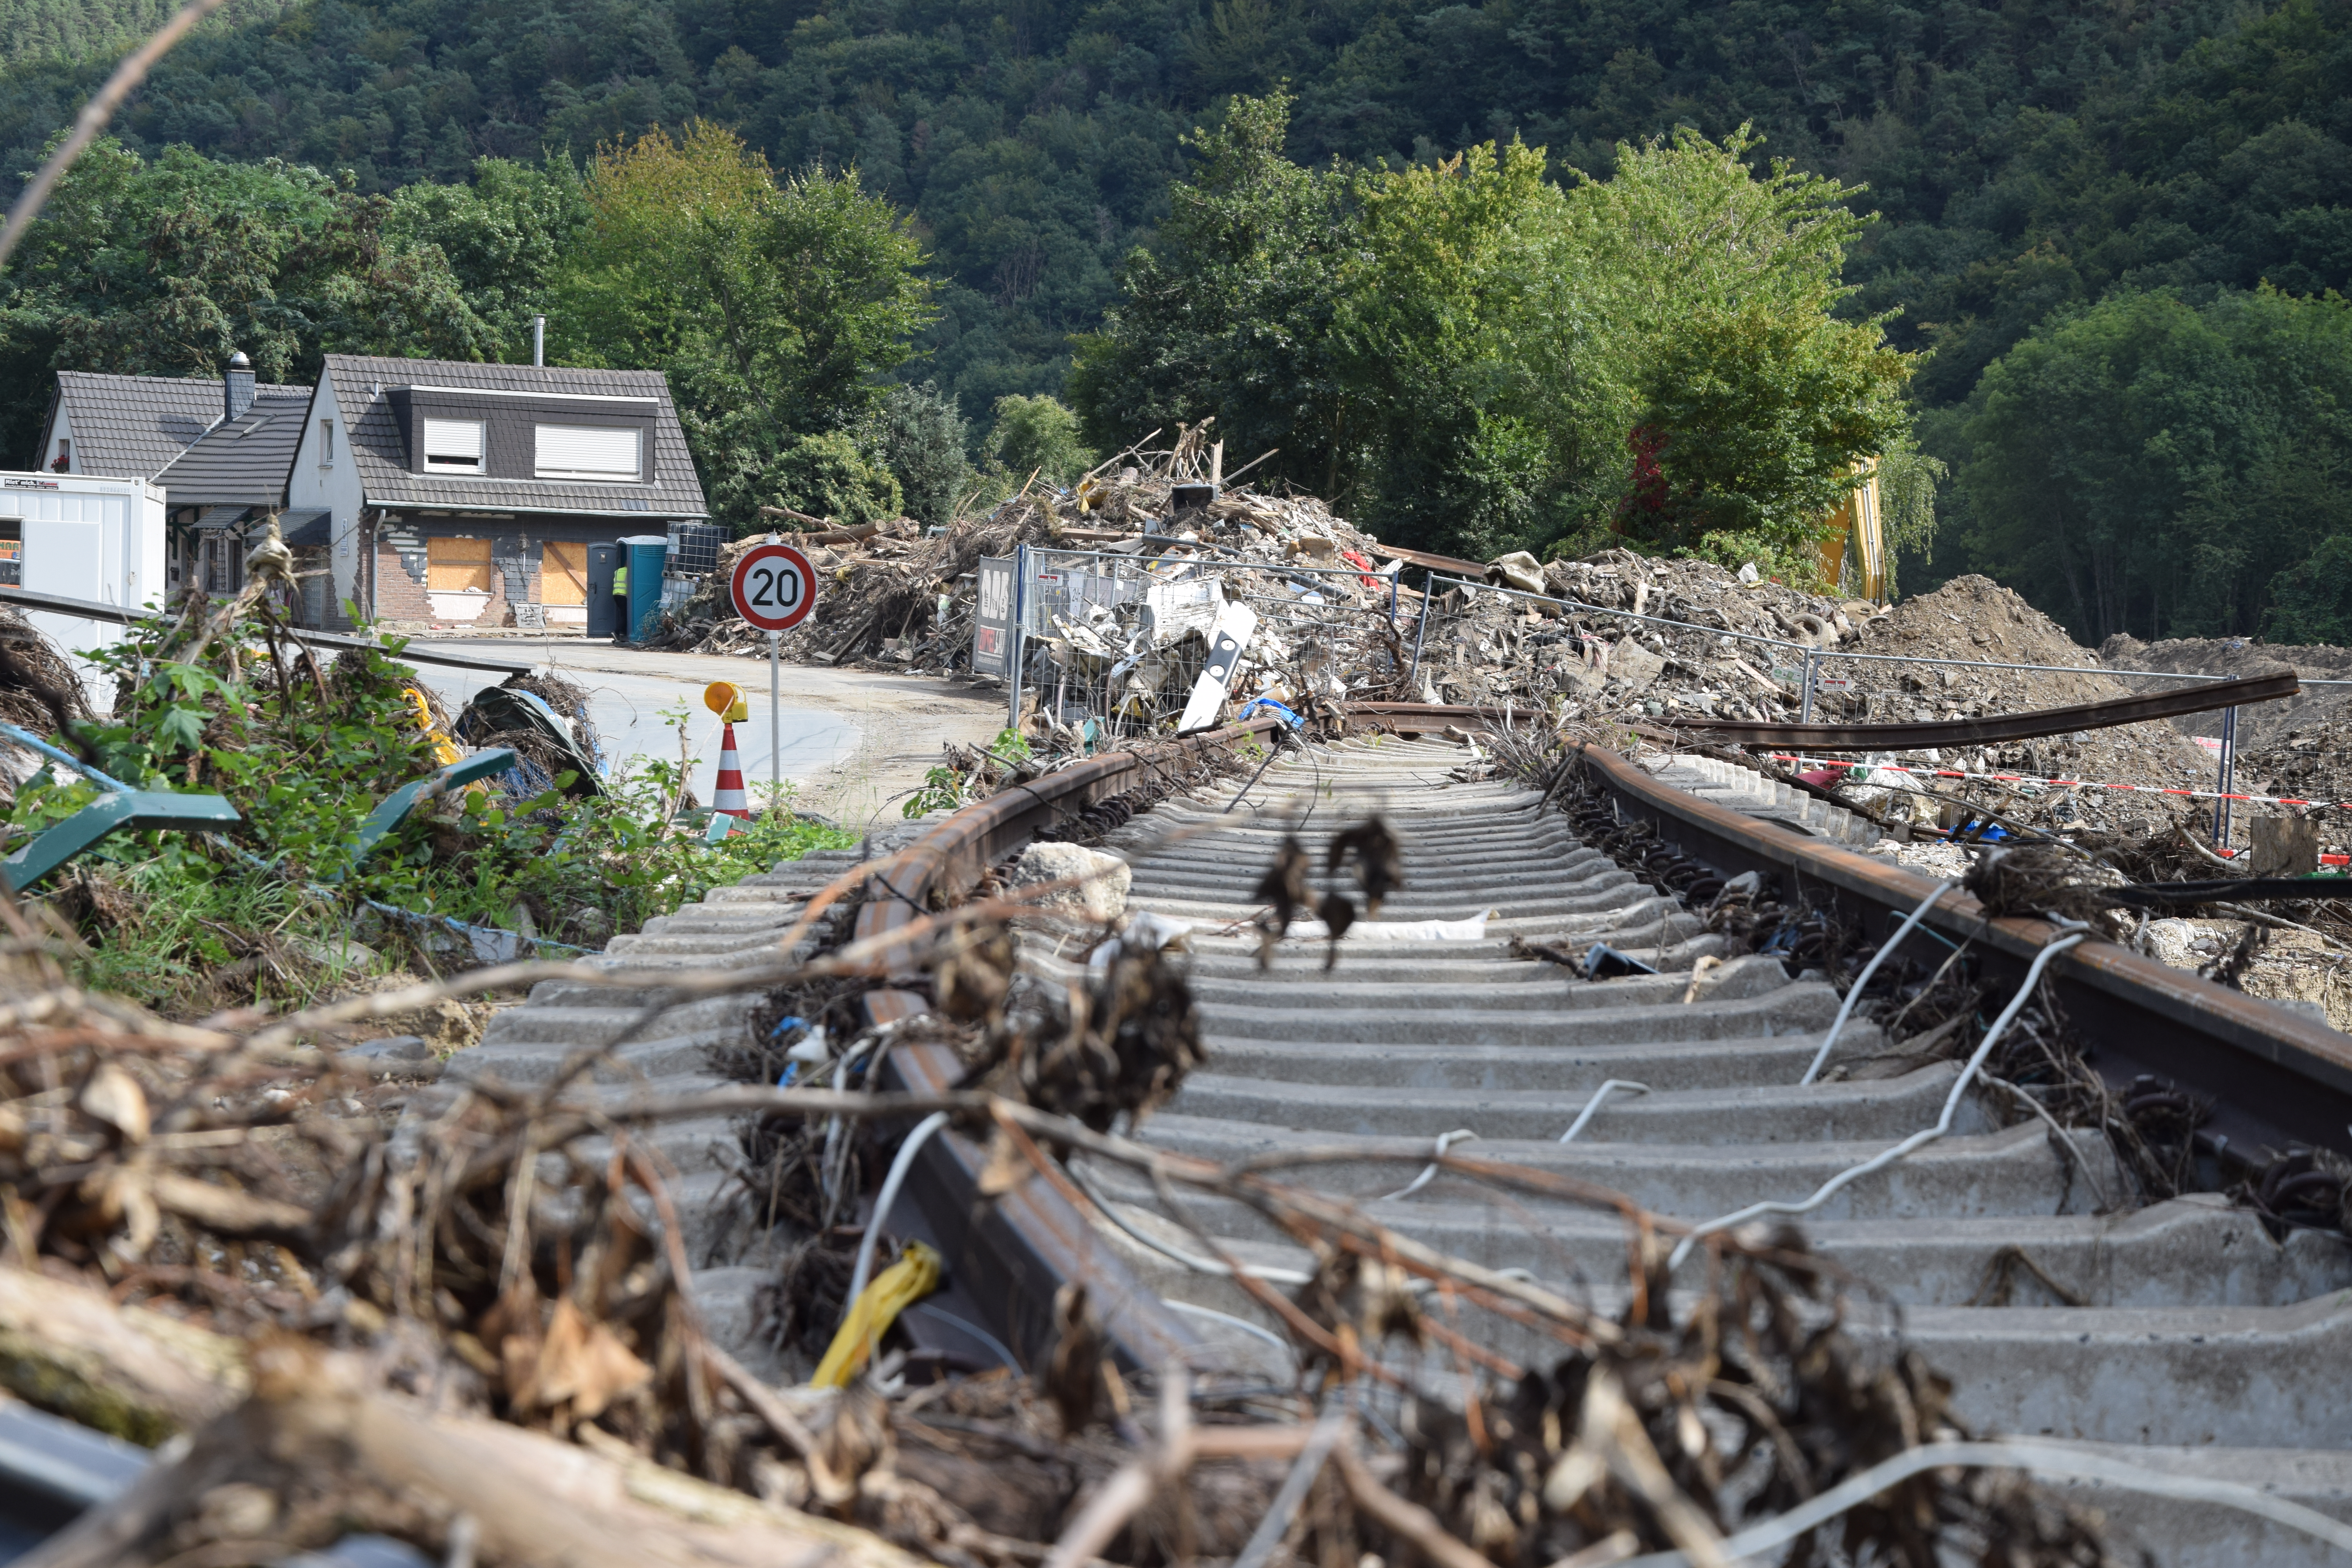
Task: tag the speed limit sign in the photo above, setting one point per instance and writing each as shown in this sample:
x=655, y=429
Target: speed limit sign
x=774, y=587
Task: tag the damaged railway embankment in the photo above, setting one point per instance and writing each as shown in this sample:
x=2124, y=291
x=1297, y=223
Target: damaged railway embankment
x=501, y=1289
x=612, y=1243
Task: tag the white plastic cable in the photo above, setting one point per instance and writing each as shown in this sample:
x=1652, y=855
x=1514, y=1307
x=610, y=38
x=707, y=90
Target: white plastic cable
x=1268, y=1335
x=1854, y=991
x=1853, y=1173
x=900, y=1166
x=1592, y=1107
x=1444, y=1141
x=968, y=1327
x=1197, y=1264
x=2039, y=1458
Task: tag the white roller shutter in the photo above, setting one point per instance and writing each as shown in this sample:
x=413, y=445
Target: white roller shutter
x=453, y=443
x=588, y=452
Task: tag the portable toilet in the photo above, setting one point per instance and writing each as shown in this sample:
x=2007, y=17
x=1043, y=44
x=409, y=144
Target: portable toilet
x=603, y=560
x=648, y=552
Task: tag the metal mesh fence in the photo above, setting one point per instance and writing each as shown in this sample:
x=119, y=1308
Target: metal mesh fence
x=1122, y=639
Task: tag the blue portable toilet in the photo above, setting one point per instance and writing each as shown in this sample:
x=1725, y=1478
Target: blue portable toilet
x=647, y=552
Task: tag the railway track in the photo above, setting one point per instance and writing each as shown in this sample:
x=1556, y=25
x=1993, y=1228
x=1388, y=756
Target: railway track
x=2197, y=1345
x=2179, y=1335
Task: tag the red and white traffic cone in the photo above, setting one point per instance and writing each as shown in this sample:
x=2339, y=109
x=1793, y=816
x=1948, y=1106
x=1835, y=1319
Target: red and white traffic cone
x=730, y=796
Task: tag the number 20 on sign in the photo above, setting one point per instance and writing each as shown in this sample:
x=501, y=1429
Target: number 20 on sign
x=774, y=587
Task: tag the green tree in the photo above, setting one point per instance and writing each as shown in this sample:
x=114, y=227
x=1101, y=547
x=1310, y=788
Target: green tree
x=505, y=237
x=2312, y=602
x=1040, y=434
x=2151, y=466
x=1481, y=343
x=1465, y=441
x=774, y=305
x=1761, y=416
x=167, y=266
x=923, y=441
x=1232, y=310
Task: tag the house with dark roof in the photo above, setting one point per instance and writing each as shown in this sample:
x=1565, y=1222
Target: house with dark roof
x=487, y=494
x=220, y=450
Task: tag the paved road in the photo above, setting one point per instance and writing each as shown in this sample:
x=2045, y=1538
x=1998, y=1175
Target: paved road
x=851, y=740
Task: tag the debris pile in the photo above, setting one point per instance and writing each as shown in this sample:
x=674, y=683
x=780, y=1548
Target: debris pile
x=1155, y=557
x=1161, y=603
x=2262, y=727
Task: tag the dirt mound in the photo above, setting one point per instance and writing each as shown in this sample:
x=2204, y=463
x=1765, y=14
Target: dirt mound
x=2265, y=724
x=1975, y=617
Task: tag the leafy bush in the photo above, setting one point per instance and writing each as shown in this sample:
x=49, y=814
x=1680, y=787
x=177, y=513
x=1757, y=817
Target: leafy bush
x=1038, y=432
x=826, y=475
x=187, y=922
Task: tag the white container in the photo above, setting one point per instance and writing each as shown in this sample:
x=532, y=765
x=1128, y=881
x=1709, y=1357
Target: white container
x=87, y=538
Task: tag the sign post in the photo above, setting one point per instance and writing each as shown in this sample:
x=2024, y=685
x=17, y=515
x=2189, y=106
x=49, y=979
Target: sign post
x=774, y=589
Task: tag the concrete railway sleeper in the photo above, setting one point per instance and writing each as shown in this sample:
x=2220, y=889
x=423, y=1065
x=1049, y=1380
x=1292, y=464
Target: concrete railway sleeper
x=2179, y=1335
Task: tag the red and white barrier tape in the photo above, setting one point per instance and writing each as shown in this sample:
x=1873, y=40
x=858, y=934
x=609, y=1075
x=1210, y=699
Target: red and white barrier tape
x=2053, y=783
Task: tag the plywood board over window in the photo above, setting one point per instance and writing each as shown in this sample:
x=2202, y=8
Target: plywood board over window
x=564, y=574
x=454, y=564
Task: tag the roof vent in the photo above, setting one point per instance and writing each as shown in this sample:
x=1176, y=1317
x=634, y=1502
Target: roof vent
x=236, y=389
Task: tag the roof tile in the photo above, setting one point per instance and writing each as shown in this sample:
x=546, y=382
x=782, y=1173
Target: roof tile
x=360, y=382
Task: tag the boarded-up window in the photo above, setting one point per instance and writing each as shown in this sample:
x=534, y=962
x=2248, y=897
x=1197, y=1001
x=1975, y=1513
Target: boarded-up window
x=453, y=445
x=563, y=574
x=453, y=563
x=587, y=452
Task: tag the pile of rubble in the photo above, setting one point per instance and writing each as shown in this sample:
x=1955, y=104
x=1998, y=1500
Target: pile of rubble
x=2261, y=728
x=1166, y=556
x=1165, y=565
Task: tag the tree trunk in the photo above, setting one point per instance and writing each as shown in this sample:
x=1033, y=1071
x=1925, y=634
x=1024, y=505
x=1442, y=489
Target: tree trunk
x=132, y=1373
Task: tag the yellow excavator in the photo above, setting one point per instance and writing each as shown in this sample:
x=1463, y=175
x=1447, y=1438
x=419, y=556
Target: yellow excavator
x=1853, y=542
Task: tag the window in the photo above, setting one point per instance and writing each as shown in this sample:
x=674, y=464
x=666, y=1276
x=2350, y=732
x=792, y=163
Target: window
x=65, y=456
x=564, y=574
x=452, y=565
x=588, y=452
x=326, y=443
x=453, y=445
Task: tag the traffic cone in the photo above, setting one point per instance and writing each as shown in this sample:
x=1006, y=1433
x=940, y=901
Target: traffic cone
x=730, y=796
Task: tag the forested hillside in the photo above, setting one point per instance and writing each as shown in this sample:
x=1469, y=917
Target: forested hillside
x=2025, y=159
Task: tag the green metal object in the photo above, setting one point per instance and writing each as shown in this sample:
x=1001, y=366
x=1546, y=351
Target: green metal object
x=121, y=806
x=408, y=796
x=118, y=808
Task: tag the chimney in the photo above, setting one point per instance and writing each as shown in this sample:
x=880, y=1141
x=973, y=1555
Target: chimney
x=236, y=388
x=538, y=340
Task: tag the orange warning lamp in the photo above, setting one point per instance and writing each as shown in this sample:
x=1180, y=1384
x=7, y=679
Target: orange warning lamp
x=725, y=699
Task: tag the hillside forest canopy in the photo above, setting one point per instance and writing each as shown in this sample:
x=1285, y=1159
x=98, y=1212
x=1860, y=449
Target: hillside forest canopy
x=2070, y=270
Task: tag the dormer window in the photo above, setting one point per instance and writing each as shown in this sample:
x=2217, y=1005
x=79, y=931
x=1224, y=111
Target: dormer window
x=611, y=454
x=453, y=445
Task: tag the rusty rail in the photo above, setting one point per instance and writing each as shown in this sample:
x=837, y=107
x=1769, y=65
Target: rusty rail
x=2275, y=1077
x=1013, y=1253
x=2007, y=727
